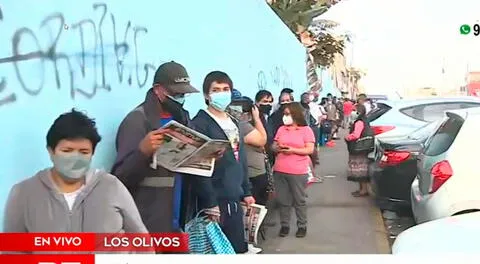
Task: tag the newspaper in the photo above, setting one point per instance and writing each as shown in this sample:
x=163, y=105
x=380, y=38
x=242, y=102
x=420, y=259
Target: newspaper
x=253, y=216
x=185, y=150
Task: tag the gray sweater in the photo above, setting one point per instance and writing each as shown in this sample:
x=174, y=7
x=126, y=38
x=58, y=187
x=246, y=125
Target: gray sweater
x=103, y=206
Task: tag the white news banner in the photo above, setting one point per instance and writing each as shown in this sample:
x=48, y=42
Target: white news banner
x=278, y=258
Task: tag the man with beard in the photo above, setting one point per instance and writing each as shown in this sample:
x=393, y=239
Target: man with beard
x=159, y=194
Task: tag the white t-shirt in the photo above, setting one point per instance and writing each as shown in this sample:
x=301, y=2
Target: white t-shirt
x=315, y=110
x=71, y=197
x=231, y=131
x=368, y=107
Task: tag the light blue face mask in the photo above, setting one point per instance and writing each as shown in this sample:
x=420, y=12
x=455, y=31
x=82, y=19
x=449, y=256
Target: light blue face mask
x=220, y=100
x=71, y=166
x=178, y=99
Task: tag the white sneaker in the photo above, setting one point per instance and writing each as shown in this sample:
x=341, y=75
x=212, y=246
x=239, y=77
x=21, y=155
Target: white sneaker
x=253, y=249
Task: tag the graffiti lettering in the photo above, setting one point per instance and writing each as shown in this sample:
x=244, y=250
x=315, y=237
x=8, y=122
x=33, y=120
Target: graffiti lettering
x=121, y=49
x=261, y=81
x=137, y=64
x=88, y=60
x=9, y=98
x=278, y=78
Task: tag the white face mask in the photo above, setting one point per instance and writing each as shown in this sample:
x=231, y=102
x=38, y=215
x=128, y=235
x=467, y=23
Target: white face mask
x=354, y=115
x=287, y=120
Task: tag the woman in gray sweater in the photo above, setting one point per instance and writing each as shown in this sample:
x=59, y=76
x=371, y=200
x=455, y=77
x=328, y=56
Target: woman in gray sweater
x=70, y=196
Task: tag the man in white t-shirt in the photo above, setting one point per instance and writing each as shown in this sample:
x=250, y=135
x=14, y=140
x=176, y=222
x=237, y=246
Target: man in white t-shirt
x=221, y=194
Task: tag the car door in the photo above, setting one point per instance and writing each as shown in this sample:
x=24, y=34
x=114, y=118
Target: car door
x=436, y=149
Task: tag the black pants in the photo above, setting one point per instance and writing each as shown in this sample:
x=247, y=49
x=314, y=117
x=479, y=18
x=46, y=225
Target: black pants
x=231, y=222
x=259, y=189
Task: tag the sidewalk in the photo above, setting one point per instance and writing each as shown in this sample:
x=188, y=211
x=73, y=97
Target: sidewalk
x=338, y=222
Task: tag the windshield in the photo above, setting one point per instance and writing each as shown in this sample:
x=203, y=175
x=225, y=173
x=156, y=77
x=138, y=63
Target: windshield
x=424, y=131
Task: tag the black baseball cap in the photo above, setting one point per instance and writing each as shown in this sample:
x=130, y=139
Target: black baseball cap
x=286, y=90
x=174, y=77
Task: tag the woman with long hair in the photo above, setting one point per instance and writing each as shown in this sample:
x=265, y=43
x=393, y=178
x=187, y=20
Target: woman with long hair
x=293, y=144
x=358, y=160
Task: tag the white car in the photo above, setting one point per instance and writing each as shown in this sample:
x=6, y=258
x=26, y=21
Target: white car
x=451, y=235
x=448, y=178
x=396, y=118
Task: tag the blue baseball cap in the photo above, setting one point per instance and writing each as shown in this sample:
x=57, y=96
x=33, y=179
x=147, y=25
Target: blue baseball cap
x=236, y=94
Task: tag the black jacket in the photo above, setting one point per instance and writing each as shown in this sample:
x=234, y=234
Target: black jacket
x=229, y=181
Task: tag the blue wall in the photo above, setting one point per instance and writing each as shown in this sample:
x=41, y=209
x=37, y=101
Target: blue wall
x=46, y=68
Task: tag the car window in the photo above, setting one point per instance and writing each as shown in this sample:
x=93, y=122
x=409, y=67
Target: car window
x=414, y=112
x=444, y=136
x=431, y=112
x=437, y=111
x=469, y=105
x=424, y=131
x=378, y=111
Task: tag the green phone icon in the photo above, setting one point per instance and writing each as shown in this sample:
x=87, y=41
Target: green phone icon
x=465, y=29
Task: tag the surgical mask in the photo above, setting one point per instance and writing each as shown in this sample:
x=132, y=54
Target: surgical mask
x=71, y=166
x=178, y=99
x=265, y=108
x=174, y=106
x=354, y=115
x=220, y=100
x=287, y=120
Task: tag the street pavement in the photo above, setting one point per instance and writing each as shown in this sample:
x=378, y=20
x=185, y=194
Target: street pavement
x=338, y=223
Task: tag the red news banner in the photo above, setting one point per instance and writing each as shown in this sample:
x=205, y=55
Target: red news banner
x=83, y=243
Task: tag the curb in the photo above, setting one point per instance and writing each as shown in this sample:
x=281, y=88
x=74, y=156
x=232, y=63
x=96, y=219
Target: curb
x=381, y=234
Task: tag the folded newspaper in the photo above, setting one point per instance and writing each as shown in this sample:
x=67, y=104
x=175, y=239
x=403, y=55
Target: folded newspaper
x=185, y=150
x=253, y=216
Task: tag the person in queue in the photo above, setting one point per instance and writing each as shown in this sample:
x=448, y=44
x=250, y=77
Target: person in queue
x=348, y=108
x=332, y=115
x=162, y=197
x=294, y=142
x=325, y=127
x=276, y=119
x=358, y=162
x=283, y=91
x=305, y=101
x=264, y=103
x=220, y=195
x=71, y=196
x=255, y=139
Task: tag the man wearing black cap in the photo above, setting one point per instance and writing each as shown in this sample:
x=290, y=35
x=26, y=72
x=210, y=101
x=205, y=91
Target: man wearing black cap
x=158, y=193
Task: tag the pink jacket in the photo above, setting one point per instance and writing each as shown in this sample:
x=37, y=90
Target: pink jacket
x=357, y=132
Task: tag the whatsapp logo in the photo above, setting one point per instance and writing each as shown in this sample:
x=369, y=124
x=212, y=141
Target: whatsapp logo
x=465, y=29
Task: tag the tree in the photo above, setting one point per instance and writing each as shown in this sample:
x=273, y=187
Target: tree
x=298, y=16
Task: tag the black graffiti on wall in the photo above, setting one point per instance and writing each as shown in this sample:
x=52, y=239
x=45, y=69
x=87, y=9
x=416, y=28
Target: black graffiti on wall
x=275, y=78
x=74, y=65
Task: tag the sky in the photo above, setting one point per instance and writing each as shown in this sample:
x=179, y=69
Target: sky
x=405, y=44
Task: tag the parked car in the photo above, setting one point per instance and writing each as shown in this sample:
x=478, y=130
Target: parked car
x=376, y=97
x=448, y=178
x=396, y=118
x=395, y=167
x=451, y=235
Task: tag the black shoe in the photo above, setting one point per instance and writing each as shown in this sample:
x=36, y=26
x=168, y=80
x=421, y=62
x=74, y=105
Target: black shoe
x=301, y=232
x=284, y=231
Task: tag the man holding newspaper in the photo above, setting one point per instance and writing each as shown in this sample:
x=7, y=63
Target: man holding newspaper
x=169, y=167
x=161, y=195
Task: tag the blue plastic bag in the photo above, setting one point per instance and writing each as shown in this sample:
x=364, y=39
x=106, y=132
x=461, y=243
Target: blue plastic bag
x=198, y=241
x=218, y=240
